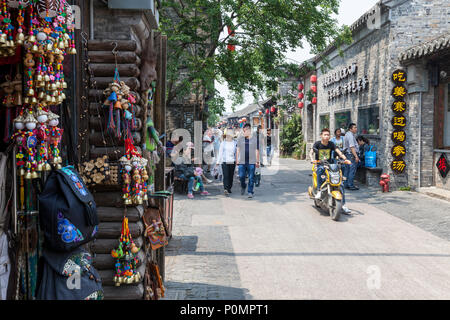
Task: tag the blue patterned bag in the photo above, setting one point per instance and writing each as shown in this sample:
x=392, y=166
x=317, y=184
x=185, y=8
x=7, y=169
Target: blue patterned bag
x=67, y=211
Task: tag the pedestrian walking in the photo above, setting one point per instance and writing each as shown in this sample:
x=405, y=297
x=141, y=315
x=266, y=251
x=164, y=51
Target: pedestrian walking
x=227, y=160
x=351, y=151
x=269, y=149
x=247, y=159
x=260, y=146
x=338, y=142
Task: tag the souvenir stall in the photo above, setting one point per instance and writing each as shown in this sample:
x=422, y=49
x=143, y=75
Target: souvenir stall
x=121, y=149
x=37, y=45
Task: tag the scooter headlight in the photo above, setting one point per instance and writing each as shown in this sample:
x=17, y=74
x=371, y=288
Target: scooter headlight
x=335, y=178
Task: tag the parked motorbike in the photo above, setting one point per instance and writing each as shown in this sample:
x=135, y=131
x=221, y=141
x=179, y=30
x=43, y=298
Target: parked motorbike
x=331, y=195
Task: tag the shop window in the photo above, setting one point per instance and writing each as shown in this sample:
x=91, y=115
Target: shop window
x=369, y=121
x=342, y=120
x=324, y=121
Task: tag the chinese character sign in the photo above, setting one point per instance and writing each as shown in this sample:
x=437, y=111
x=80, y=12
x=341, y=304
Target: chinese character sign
x=443, y=165
x=399, y=93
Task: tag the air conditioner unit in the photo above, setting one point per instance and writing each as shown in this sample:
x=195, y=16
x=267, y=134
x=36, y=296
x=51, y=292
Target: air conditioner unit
x=132, y=4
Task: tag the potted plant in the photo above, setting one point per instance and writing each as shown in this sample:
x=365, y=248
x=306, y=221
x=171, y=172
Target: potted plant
x=372, y=129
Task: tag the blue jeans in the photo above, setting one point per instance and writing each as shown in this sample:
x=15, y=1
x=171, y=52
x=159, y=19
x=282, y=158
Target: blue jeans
x=191, y=182
x=349, y=171
x=249, y=169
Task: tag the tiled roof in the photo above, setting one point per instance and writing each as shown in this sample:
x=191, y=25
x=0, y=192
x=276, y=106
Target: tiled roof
x=427, y=48
x=249, y=109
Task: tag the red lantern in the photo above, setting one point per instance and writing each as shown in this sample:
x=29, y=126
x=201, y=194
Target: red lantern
x=301, y=95
x=272, y=109
x=314, y=100
x=313, y=78
x=314, y=89
x=267, y=111
x=301, y=104
x=300, y=86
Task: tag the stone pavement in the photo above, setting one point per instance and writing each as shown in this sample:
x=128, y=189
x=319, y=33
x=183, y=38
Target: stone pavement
x=279, y=246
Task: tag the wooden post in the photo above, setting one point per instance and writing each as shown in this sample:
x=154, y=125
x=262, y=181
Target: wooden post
x=159, y=112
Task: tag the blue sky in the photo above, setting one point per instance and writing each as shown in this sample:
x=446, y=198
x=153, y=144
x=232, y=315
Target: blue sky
x=349, y=12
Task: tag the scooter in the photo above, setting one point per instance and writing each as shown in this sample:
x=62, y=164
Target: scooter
x=331, y=195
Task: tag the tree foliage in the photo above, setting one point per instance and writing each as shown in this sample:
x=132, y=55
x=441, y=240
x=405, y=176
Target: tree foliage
x=264, y=30
x=291, y=137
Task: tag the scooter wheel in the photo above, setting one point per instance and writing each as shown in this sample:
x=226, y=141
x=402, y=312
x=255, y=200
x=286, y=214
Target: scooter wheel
x=316, y=203
x=335, y=211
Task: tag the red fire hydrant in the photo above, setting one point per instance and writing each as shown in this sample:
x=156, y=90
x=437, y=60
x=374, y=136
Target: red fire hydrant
x=384, y=182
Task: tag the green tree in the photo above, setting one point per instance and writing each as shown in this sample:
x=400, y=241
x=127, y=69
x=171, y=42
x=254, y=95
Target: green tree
x=291, y=137
x=262, y=32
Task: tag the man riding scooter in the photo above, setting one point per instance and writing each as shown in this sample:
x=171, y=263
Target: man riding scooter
x=322, y=150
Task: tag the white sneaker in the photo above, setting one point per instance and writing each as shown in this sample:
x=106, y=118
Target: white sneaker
x=318, y=195
x=346, y=210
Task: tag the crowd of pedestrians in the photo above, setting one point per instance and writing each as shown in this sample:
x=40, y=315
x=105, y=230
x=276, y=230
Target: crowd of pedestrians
x=225, y=153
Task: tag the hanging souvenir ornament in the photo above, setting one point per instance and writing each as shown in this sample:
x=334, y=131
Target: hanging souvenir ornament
x=30, y=146
x=126, y=258
x=19, y=139
x=47, y=8
x=137, y=181
x=42, y=134
x=54, y=137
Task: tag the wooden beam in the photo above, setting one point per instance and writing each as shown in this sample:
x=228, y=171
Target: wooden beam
x=103, y=82
x=124, y=292
x=116, y=214
x=104, y=246
x=107, y=45
x=98, y=124
x=104, y=261
x=98, y=108
x=107, y=69
x=107, y=140
x=111, y=230
x=108, y=57
x=159, y=111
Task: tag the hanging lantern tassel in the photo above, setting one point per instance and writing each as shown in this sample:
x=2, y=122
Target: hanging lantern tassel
x=118, y=131
x=111, y=126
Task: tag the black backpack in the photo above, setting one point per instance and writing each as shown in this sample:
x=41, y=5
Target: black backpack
x=67, y=211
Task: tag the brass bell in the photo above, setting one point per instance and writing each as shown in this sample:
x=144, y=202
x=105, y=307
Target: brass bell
x=20, y=37
x=22, y=171
x=49, y=47
x=64, y=85
x=28, y=175
x=66, y=36
x=47, y=167
x=48, y=98
x=57, y=51
x=59, y=160
x=39, y=167
x=34, y=175
x=30, y=92
x=53, y=87
x=124, y=196
x=61, y=45
x=58, y=166
x=39, y=77
x=33, y=100
x=46, y=78
x=63, y=95
x=145, y=197
x=19, y=42
x=26, y=100
x=139, y=200
x=53, y=100
x=34, y=49
x=66, y=43
x=3, y=38
x=32, y=38
x=41, y=95
x=9, y=43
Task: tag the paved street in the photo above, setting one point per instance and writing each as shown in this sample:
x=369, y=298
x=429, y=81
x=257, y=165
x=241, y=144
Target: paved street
x=279, y=246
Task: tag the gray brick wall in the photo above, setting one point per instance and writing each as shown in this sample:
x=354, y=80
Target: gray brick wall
x=406, y=24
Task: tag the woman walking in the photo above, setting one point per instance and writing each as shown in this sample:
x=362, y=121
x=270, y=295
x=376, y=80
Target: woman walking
x=227, y=158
